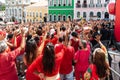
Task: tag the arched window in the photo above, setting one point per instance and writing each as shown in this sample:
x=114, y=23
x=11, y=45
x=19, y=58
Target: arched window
x=69, y=17
x=59, y=18
x=69, y=2
x=40, y=15
x=64, y=2
x=59, y=2
x=36, y=14
x=84, y=14
x=54, y=17
x=99, y=14
x=91, y=14
x=106, y=15
x=50, y=18
x=15, y=12
x=78, y=14
x=64, y=18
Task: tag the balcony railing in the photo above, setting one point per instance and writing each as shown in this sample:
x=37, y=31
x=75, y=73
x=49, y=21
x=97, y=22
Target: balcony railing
x=98, y=5
x=91, y=5
x=78, y=5
x=84, y=5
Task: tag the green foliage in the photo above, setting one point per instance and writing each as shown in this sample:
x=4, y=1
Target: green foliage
x=2, y=7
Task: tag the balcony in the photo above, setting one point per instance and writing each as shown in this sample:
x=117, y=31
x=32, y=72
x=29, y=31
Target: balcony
x=84, y=5
x=99, y=5
x=91, y=5
x=78, y=5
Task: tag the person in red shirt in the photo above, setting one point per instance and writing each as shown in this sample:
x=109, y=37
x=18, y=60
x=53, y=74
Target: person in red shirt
x=74, y=42
x=46, y=66
x=81, y=59
x=7, y=59
x=66, y=69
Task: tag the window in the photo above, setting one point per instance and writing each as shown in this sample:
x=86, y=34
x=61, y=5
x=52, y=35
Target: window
x=36, y=14
x=20, y=12
x=40, y=15
x=99, y=14
x=64, y=2
x=98, y=1
x=69, y=2
x=50, y=19
x=84, y=14
x=106, y=15
x=55, y=2
x=78, y=5
x=50, y=2
x=78, y=14
x=84, y=3
x=59, y=18
x=33, y=14
x=59, y=2
x=54, y=17
x=91, y=3
x=70, y=18
x=15, y=12
x=91, y=14
x=64, y=18
x=30, y=14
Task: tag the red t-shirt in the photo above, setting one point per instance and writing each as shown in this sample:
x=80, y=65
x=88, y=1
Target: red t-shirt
x=8, y=66
x=82, y=58
x=37, y=66
x=66, y=64
x=75, y=44
x=54, y=40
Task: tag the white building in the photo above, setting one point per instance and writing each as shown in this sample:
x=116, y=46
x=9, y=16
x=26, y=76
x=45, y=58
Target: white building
x=15, y=9
x=2, y=14
x=91, y=9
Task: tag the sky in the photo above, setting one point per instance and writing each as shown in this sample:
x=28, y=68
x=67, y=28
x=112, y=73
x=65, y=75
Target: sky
x=31, y=0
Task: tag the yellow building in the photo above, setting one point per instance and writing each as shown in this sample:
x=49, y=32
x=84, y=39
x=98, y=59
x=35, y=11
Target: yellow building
x=36, y=12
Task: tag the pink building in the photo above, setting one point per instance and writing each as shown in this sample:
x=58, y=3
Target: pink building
x=91, y=9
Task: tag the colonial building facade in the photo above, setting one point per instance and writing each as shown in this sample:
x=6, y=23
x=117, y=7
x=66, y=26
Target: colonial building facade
x=15, y=10
x=36, y=12
x=91, y=9
x=61, y=10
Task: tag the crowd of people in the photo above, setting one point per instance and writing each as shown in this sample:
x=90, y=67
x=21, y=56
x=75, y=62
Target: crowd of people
x=56, y=50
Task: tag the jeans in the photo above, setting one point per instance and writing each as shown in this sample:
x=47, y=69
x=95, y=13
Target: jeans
x=67, y=76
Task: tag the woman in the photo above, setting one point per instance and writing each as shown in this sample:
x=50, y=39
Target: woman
x=81, y=59
x=46, y=66
x=7, y=59
x=99, y=69
x=30, y=52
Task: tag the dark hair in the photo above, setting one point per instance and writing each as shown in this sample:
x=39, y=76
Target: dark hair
x=60, y=39
x=31, y=51
x=9, y=36
x=100, y=62
x=39, y=32
x=48, y=59
x=37, y=39
x=74, y=34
